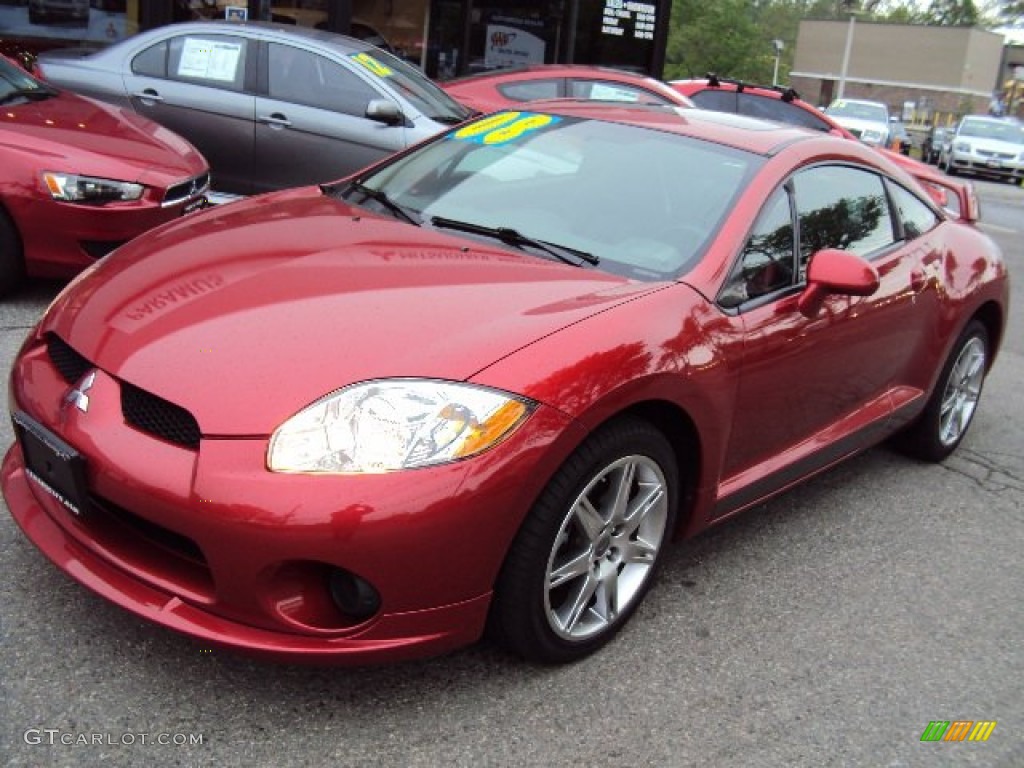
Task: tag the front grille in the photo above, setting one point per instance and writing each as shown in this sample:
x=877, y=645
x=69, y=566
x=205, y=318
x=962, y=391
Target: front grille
x=156, y=416
x=997, y=155
x=71, y=365
x=186, y=190
x=168, y=540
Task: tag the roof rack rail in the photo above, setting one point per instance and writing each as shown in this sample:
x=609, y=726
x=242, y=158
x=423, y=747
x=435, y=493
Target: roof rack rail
x=714, y=81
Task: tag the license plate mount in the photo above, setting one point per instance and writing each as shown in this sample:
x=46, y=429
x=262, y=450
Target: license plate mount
x=53, y=464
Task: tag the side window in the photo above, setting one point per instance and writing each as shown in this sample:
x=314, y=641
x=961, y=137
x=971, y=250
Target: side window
x=611, y=91
x=152, y=61
x=718, y=101
x=214, y=60
x=779, y=110
x=841, y=207
x=917, y=217
x=766, y=262
x=534, y=89
x=303, y=77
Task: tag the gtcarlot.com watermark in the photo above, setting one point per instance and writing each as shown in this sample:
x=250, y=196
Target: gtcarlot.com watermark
x=55, y=736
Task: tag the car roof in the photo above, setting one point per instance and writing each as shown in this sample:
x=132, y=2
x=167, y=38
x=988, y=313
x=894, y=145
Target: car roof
x=550, y=70
x=343, y=44
x=763, y=137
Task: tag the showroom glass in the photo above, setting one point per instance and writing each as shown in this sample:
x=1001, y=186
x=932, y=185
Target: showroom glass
x=841, y=207
x=302, y=77
x=645, y=202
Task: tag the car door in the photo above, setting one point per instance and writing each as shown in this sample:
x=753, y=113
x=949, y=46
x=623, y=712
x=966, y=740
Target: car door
x=814, y=388
x=200, y=86
x=310, y=119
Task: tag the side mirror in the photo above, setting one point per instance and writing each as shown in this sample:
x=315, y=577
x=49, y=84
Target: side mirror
x=832, y=271
x=384, y=111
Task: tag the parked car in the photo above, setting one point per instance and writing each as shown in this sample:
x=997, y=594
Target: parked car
x=270, y=106
x=79, y=178
x=934, y=141
x=867, y=120
x=532, y=344
x=987, y=146
x=503, y=88
x=785, y=105
x=899, y=138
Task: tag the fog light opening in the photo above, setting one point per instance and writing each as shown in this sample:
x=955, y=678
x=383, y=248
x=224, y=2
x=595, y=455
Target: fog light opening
x=355, y=597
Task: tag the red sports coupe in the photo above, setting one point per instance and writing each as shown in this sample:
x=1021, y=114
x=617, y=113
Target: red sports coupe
x=79, y=178
x=488, y=380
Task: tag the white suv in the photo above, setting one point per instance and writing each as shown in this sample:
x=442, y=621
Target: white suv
x=867, y=120
x=991, y=146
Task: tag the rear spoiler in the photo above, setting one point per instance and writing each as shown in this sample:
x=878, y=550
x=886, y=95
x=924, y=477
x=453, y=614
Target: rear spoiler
x=957, y=198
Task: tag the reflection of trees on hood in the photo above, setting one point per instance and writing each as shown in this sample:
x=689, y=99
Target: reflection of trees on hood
x=841, y=224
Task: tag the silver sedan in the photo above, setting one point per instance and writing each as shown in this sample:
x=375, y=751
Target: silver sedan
x=269, y=106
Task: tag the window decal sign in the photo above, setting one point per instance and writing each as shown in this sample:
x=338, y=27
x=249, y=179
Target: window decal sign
x=504, y=127
x=209, y=59
x=372, y=64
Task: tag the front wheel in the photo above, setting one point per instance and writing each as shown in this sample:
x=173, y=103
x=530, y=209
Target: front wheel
x=587, y=552
x=950, y=410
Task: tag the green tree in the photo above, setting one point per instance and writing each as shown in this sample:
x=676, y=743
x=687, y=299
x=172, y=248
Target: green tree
x=952, y=13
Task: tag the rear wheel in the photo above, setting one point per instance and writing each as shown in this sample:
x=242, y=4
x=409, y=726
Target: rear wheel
x=586, y=554
x=12, y=265
x=950, y=410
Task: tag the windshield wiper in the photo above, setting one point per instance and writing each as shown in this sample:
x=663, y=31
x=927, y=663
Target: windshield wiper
x=32, y=94
x=383, y=199
x=516, y=238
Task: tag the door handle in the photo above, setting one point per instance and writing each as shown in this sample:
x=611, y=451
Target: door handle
x=148, y=95
x=276, y=120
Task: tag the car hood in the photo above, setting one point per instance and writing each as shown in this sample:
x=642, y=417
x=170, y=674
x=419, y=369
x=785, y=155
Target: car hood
x=72, y=133
x=992, y=145
x=246, y=313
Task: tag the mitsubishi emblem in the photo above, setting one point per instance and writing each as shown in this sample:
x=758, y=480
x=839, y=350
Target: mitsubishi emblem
x=77, y=396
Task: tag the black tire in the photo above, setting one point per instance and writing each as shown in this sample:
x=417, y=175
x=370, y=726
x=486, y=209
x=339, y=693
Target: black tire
x=939, y=429
x=607, y=566
x=12, y=265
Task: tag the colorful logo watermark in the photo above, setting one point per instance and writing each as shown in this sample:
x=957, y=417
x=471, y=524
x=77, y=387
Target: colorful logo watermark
x=958, y=730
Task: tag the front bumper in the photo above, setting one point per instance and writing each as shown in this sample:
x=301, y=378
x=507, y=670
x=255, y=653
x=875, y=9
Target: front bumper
x=209, y=543
x=968, y=162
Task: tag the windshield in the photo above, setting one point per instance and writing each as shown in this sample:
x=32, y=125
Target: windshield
x=993, y=129
x=646, y=203
x=16, y=81
x=427, y=97
x=859, y=110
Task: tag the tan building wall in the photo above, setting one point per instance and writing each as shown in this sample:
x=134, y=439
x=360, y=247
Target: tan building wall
x=943, y=71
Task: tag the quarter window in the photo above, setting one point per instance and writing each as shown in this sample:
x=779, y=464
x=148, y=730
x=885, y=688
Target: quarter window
x=917, y=217
x=766, y=262
x=152, y=61
x=531, y=89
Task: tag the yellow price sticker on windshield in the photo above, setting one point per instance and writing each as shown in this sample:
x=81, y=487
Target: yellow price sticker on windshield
x=504, y=127
x=372, y=64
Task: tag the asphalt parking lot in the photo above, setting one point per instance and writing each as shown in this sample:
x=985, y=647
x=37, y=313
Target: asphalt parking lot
x=828, y=627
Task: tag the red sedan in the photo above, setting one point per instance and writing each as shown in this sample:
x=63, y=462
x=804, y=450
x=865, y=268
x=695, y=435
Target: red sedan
x=489, y=379
x=79, y=178
x=785, y=105
x=506, y=88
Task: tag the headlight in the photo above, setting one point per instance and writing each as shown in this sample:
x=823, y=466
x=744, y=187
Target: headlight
x=88, y=189
x=962, y=146
x=379, y=426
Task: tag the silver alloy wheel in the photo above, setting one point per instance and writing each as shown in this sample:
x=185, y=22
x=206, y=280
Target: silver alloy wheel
x=963, y=388
x=606, y=547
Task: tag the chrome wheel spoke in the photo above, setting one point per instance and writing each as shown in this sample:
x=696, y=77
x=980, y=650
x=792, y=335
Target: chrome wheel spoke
x=573, y=569
x=638, y=552
x=963, y=389
x=589, y=519
x=606, y=604
x=577, y=606
x=623, y=491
